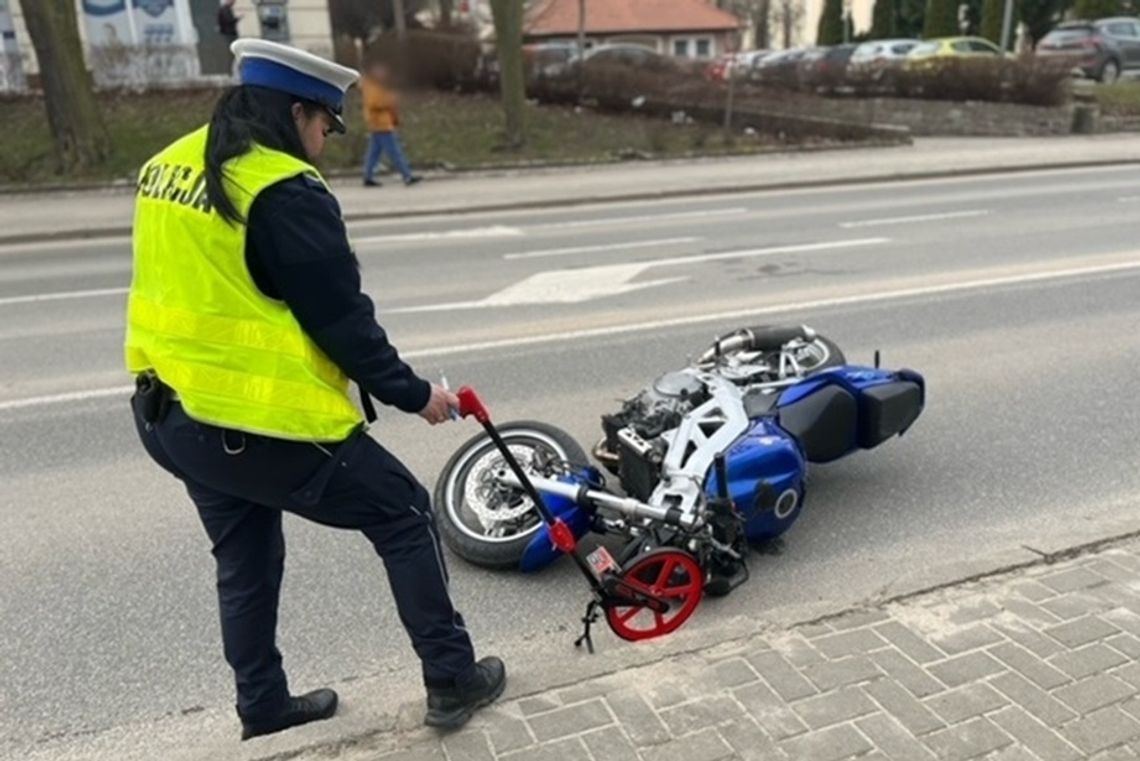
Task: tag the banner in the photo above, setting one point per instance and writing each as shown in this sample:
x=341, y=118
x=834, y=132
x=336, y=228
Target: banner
x=156, y=22
x=138, y=42
x=11, y=61
x=107, y=23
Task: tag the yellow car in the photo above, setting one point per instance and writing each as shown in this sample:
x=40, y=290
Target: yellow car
x=951, y=47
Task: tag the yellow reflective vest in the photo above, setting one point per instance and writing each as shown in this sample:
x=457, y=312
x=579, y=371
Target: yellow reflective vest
x=236, y=358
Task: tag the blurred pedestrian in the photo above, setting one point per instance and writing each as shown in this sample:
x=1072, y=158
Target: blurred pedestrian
x=382, y=118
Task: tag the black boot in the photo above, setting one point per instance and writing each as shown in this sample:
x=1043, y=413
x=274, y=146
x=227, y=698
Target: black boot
x=451, y=707
x=312, y=706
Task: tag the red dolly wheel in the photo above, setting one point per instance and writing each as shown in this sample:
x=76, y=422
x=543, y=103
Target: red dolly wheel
x=669, y=573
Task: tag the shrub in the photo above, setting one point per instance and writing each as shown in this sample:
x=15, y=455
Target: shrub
x=444, y=60
x=1032, y=81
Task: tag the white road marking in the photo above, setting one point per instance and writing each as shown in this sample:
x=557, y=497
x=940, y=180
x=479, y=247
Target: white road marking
x=572, y=286
x=60, y=295
x=493, y=231
x=839, y=301
x=638, y=327
x=53, y=244
x=605, y=247
x=915, y=218
x=640, y=218
x=1128, y=199
x=74, y=396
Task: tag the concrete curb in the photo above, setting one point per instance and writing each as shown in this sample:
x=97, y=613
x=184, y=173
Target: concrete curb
x=398, y=726
x=123, y=230
x=442, y=170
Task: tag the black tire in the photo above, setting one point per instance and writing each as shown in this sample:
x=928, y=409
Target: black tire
x=1109, y=72
x=500, y=553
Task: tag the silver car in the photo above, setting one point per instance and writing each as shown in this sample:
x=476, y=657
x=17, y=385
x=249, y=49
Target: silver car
x=878, y=53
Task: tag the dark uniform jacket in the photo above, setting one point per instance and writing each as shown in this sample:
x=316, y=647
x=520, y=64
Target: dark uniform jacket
x=298, y=252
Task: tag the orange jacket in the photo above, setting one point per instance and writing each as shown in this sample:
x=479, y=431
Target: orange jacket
x=379, y=103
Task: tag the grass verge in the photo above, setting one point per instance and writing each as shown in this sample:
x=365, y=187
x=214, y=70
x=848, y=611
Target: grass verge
x=438, y=129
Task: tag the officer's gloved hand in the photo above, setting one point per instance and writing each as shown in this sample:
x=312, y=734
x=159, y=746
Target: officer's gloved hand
x=439, y=406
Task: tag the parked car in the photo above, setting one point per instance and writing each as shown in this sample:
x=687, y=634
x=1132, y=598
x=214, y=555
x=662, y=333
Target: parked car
x=627, y=55
x=608, y=58
x=781, y=67
x=746, y=61
x=740, y=64
x=824, y=70
x=548, y=60
x=1101, y=50
x=951, y=47
x=878, y=54
x=831, y=61
x=718, y=69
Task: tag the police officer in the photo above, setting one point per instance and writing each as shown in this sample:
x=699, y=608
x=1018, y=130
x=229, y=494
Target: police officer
x=246, y=324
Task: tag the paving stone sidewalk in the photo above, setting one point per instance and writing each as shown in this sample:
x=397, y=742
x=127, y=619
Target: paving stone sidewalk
x=1042, y=664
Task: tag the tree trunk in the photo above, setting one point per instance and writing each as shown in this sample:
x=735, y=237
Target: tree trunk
x=508, y=16
x=81, y=140
x=763, y=24
x=581, y=46
x=401, y=19
x=445, y=10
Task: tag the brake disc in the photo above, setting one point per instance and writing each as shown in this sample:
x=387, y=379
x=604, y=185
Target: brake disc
x=491, y=501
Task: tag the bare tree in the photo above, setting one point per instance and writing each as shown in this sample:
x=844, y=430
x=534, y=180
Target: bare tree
x=581, y=46
x=762, y=23
x=787, y=14
x=401, y=19
x=507, y=16
x=81, y=139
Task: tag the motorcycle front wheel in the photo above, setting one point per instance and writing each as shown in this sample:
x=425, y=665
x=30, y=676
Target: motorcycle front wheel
x=483, y=521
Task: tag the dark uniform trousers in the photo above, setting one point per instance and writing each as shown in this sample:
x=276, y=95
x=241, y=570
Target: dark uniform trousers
x=242, y=483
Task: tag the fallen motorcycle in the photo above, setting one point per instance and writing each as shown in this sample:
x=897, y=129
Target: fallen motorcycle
x=709, y=459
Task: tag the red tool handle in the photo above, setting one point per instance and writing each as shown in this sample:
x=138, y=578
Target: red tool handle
x=471, y=405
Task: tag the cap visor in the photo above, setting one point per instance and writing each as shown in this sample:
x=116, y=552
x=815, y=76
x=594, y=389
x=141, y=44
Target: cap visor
x=337, y=124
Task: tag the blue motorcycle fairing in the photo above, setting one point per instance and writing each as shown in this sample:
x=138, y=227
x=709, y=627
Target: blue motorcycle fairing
x=762, y=466
x=841, y=409
x=540, y=551
x=854, y=378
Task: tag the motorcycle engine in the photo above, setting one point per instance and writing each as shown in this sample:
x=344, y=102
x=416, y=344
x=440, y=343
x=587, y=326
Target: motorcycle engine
x=635, y=444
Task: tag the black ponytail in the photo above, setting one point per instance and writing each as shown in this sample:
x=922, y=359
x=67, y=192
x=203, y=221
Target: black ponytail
x=245, y=115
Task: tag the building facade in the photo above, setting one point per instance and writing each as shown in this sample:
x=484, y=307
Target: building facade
x=683, y=28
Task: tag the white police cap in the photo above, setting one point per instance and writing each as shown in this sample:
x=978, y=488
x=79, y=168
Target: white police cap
x=295, y=71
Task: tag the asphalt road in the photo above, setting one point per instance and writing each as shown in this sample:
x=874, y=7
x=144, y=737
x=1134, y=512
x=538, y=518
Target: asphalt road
x=1016, y=296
